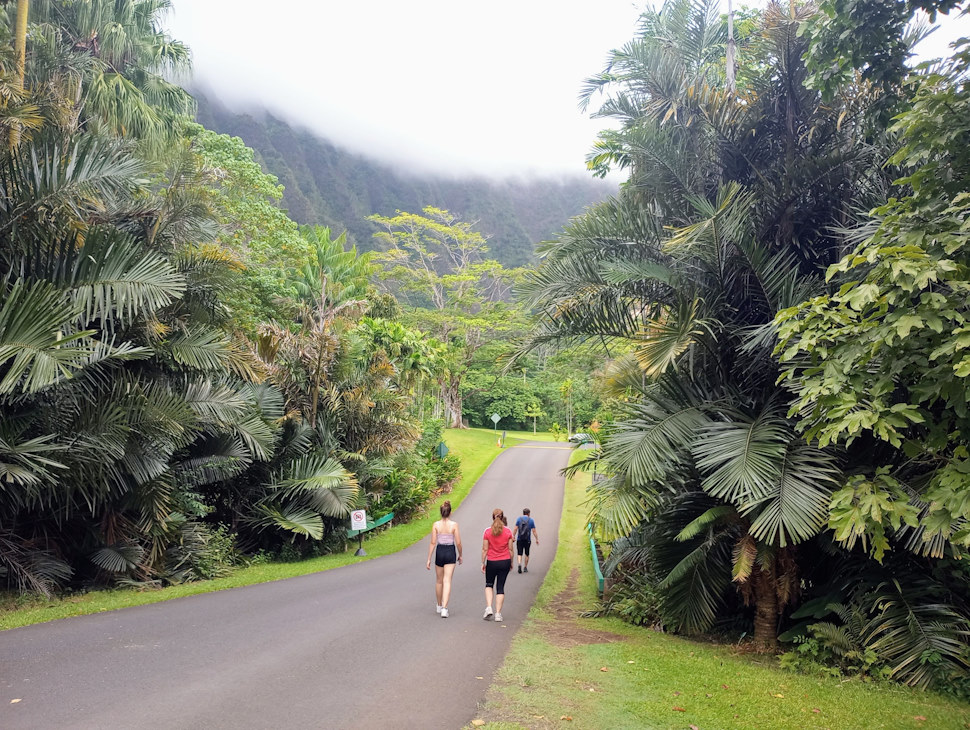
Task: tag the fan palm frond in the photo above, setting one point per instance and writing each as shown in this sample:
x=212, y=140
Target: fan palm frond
x=298, y=520
x=30, y=567
x=906, y=631
x=37, y=346
x=321, y=483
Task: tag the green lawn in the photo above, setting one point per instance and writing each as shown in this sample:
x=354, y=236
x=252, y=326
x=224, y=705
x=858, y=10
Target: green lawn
x=529, y=436
x=476, y=448
x=567, y=672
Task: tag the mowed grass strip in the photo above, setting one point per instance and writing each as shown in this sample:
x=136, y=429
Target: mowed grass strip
x=563, y=671
x=477, y=449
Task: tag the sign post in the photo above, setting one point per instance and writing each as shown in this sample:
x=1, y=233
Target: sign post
x=495, y=419
x=358, y=521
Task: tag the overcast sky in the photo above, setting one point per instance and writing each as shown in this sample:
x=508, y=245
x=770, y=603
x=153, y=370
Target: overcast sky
x=441, y=85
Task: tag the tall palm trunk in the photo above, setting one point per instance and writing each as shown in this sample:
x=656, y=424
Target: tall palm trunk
x=20, y=59
x=765, y=607
x=731, y=49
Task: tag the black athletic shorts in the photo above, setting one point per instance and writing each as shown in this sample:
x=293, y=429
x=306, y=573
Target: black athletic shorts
x=445, y=555
x=522, y=547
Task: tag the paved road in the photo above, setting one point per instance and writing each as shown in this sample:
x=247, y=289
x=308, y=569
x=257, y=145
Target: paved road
x=356, y=647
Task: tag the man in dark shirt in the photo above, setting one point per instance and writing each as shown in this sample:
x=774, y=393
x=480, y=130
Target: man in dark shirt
x=525, y=527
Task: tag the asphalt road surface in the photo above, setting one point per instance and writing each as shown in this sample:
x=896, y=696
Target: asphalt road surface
x=356, y=647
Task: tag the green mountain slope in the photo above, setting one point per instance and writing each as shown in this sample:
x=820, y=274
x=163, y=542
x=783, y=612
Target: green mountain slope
x=330, y=186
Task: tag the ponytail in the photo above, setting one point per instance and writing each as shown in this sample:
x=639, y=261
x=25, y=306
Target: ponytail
x=498, y=521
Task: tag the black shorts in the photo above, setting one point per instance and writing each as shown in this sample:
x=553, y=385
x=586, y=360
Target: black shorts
x=522, y=546
x=496, y=571
x=445, y=555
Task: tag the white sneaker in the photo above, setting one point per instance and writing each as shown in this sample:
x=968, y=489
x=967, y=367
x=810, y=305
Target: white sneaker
x=437, y=608
x=498, y=617
x=488, y=613
x=444, y=613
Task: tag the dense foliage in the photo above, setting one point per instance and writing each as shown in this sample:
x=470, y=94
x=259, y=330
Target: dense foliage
x=185, y=373
x=816, y=482
x=764, y=334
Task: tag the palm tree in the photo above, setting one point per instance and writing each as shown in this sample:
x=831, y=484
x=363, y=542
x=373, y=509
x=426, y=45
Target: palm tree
x=343, y=275
x=122, y=63
x=723, y=222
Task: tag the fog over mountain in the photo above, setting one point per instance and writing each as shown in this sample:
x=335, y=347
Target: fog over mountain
x=327, y=184
x=432, y=85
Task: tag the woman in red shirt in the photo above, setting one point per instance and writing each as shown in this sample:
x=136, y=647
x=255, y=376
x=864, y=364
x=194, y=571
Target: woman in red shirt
x=496, y=562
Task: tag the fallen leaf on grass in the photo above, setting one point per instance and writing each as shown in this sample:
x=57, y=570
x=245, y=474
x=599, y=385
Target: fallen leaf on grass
x=676, y=694
x=630, y=662
x=679, y=709
x=709, y=694
x=919, y=718
x=604, y=669
x=539, y=717
x=694, y=727
x=816, y=710
x=478, y=723
x=782, y=696
x=724, y=686
x=567, y=718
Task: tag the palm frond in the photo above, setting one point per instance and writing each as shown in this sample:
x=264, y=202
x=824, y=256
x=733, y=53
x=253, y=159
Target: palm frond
x=37, y=346
x=298, y=520
x=323, y=484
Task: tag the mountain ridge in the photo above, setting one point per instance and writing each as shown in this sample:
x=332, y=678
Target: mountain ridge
x=325, y=184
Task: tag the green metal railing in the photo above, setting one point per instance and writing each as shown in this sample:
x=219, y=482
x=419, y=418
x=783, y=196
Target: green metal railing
x=597, y=570
x=371, y=524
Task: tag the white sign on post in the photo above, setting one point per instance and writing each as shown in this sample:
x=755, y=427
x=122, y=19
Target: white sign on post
x=358, y=519
x=496, y=418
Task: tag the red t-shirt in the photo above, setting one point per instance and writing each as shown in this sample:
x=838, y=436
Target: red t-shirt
x=498, y=545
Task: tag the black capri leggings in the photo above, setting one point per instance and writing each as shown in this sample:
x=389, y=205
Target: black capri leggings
x=496, y=571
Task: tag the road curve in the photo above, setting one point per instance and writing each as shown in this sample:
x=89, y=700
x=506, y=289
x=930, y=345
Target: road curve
x=355, y=647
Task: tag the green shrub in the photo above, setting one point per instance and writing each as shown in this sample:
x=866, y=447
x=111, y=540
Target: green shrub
x=200, y=552
x=408, y=486
x=890, y=632
x=633, y=597
x=432, y=432
x=447, y=472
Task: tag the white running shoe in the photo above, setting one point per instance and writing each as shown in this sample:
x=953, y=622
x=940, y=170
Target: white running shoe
x=444, y=613
x=488, y=613
x=437, y=608
x=498, y=617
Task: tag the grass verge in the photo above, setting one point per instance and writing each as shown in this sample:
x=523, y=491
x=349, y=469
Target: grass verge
x=476, y=447
x=563, y=671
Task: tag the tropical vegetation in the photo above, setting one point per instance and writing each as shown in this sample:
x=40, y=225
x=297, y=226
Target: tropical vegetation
x=186, y=375
x=786, y=459
x=763, y=335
